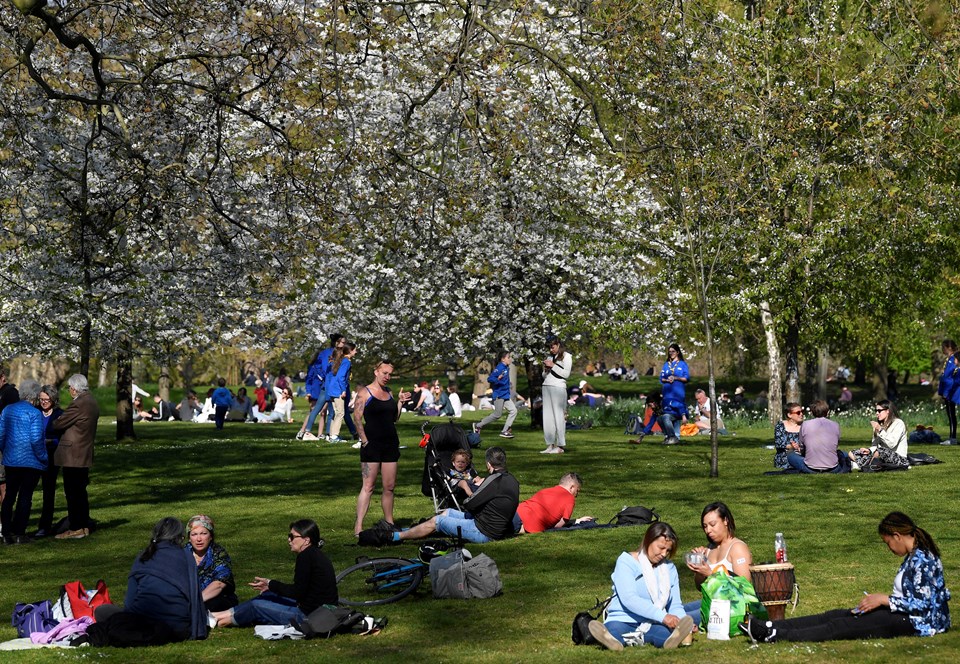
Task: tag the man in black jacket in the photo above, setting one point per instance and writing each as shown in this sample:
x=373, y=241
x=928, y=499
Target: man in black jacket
x=491, y=508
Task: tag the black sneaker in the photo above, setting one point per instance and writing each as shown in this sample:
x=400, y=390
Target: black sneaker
x=506, y=434
x=759, y=631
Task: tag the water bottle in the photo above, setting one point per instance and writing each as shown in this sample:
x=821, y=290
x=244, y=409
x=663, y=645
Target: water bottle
x=780, y=546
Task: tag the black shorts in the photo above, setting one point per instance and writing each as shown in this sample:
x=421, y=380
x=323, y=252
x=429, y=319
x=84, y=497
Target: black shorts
x=373, y=453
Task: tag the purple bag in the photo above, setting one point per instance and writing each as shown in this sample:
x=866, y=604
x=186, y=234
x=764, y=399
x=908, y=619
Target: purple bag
x=36, y=617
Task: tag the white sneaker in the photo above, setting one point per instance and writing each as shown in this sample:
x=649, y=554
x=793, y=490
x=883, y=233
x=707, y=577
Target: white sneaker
x=309, y=436
x=549, y=450
x=356, y=445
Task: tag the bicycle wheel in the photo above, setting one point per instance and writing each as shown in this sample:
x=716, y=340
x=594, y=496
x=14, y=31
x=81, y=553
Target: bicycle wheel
x=379, y=581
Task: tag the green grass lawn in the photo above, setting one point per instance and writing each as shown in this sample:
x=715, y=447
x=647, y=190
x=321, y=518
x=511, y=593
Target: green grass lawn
x=255, y=479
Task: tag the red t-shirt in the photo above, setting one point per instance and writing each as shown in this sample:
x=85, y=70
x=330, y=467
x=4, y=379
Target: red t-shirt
x=545, y=508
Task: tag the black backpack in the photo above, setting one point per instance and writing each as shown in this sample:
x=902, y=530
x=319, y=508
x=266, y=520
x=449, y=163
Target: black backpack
x=635, y=516
x=581, y=623
x=322, y=623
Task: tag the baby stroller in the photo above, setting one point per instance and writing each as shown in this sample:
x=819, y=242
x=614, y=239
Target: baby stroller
x=439, y=476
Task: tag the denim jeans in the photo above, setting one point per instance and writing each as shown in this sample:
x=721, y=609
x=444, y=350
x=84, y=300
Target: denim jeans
x=318, y=404
x=267, y=609
x=668, y=425
x=797, y=462
x=449, y=523
x=658, y=632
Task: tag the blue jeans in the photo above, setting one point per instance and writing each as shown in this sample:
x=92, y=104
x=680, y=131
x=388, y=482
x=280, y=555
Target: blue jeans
x=797, y=462
x=312, y=417
x=448, y=524
x=658, y=632
x=267, y=609
x=668, y=424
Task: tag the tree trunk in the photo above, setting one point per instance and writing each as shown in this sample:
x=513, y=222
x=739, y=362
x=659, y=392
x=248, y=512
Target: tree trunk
x=860, y=372
x=481, y=370
x=124, y=401
x=774, y=386
x=163, y=382
x=792, y=389
x=535, y=382
x=880, y=376
x=823, y=366
x=186, y=373
x=85, y=350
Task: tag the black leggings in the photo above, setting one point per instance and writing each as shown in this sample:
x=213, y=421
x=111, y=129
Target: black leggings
x=951, y=417
x=842, y=624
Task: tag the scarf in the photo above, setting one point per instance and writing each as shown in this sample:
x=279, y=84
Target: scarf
x=657, y=580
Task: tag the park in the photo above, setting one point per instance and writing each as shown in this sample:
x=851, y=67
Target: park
x=192, y=190
x=256, y=479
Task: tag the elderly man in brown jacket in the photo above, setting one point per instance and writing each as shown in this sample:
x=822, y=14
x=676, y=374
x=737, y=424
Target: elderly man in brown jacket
x=77, y=427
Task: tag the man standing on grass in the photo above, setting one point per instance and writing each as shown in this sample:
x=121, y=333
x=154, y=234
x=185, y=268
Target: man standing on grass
x=499, y=380
x=77, y=427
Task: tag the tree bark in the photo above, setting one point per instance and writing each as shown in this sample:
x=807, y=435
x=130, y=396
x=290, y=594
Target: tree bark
x=774, y=386
x=823, y=366
x=103, y=379
x=163, y=382
x=85, y=350
x=186, y=373
x=481, y=370
x=124, y=401
x=880, y=371
x=535, y=382
x=792, y=388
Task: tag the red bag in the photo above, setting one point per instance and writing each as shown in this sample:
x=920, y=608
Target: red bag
x=83, y=603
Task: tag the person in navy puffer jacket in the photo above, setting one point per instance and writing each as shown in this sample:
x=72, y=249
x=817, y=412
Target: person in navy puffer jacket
x=24, y=450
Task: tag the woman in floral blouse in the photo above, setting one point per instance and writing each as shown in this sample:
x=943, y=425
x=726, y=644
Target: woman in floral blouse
x=916, y=607
x=213, y=565
x=786, y=435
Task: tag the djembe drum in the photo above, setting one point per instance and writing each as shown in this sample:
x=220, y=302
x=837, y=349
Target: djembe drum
x=775, y=584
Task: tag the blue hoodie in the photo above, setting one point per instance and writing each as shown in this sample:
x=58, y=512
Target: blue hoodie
x=499, y=380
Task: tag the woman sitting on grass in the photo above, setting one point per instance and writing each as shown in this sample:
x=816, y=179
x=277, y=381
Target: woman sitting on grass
x=916, y=607
x=646, y=606
x=889, y=444
x=163, y=600
x=213, y=565
x=724, y=550
x=314, y=585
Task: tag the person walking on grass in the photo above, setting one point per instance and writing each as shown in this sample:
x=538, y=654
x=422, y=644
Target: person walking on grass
x=499, y=380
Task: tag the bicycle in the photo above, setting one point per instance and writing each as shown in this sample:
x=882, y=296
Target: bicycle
x=375, y=581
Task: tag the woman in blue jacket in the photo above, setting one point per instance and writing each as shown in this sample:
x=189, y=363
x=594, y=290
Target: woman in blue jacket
x=646, y=606
x=673, y=376
x=916, y=607
x=949, y=388
x=337, y=382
